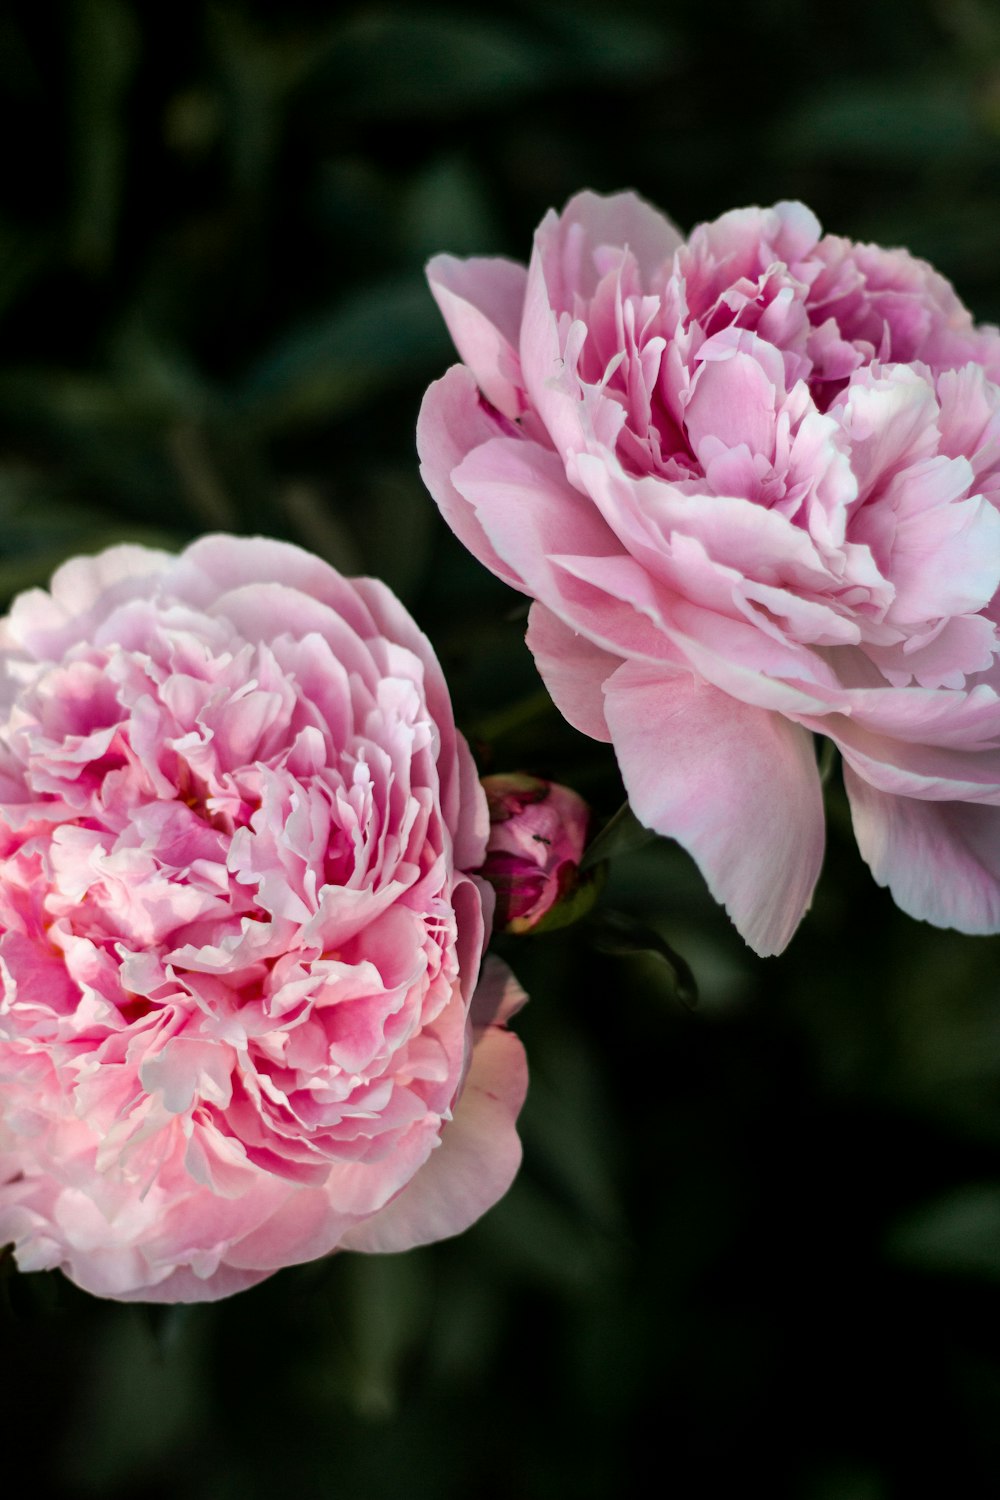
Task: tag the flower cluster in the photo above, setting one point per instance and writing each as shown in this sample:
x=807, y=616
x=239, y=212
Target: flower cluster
x=238, y=939
x=751, y=481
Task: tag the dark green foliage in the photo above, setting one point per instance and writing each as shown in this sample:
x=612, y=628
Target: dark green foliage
x=757, y=1243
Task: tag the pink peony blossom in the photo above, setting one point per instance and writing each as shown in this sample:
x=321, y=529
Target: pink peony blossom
x=751, y=481
x=537, y=834
x=238, y=941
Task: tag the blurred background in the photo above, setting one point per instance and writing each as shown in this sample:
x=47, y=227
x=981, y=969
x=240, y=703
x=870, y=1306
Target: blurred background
x=759, y=1242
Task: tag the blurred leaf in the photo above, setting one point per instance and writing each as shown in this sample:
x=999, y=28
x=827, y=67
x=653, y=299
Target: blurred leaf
x=396, y=63
x=316, y=526
x=257, y=69
x=206, y=493
x=447, y=207
x=594, y=42
x=464, y=1332
x=63, y=399
x=156, y=373
x=536, y=1237
x=378, y=337
x=525, y=711
x=959, y=1234
x=976, y=26
x=138, y=1403
x=106, y=53
x=565, y=1130
x=617, y=933
x=386, y=63
x=388, y=1305
x=358, y=206
x=395, y=527
x=109, y=436
x=39, y=529
x=885, y=121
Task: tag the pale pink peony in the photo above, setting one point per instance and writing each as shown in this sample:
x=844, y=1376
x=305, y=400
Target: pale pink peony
x=538, y=830
x=237, y=941
x=751, y=481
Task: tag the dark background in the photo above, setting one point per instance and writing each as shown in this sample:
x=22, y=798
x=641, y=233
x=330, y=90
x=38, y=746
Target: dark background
x=757, y=1245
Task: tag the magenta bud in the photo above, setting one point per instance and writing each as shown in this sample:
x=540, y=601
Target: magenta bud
x=537, y=834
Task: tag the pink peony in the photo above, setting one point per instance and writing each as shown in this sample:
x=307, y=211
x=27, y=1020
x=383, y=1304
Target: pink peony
x=237, y=940
x=538, y=830
x=751, y=481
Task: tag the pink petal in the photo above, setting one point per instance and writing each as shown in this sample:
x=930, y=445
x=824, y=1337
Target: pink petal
x=481, y=300
x=213, y=566
x=940, y=860
x=567, y=244
x=473, y=1166
x=573, y=669
x=737, y=786
x=904, y=763
x=498, y=995
x=537, y=521
x=82, y=592
x=732, y=401
x=462, y=799
x=183, y=1285
x=453, y=422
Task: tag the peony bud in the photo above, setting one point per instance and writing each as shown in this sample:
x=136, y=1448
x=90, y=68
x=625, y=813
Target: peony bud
x=537, y=833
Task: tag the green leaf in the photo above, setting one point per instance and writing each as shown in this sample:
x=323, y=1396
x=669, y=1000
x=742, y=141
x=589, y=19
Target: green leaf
x=959, y=1234
x=106, y=51
x=621, y=833
x=886, y=120
x=40, y=526
x=447, y=207
x=525, y=711
x=394, y=63
x=387, y=63
x=379, y=337
x=544, y=1241
x=616, y=933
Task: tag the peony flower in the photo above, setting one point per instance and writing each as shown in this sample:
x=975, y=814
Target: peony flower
x=238, y=942
x=751, y=481
x=538, y=830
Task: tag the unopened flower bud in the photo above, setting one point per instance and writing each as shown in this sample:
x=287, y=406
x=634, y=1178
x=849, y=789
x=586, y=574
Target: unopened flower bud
x=537, y=834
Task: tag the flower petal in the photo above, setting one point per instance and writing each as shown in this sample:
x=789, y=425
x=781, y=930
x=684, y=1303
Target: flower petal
x=473, y=1166
x=453, y=422
x=737, y=786
x=573, y=669
x=481, y=300
x=940, y=860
